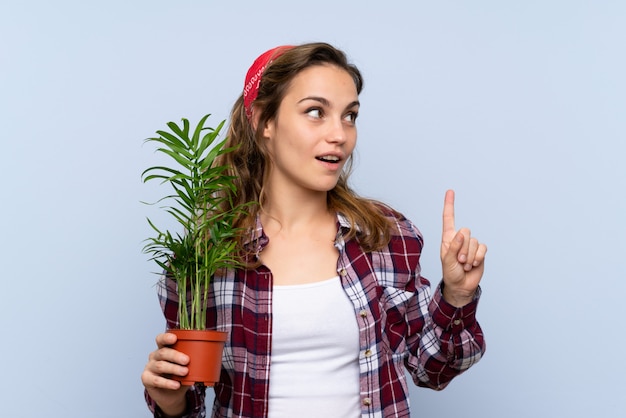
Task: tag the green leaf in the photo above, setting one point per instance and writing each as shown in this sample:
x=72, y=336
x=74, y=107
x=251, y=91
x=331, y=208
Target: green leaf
x=183, y=133
x=199, y=128
x=168, y=140
x=180, y=159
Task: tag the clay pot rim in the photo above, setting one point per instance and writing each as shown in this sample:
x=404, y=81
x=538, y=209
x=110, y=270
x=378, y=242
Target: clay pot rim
x=199, y=334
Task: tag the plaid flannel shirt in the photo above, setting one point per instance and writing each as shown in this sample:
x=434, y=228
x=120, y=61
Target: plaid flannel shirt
x=400, y=325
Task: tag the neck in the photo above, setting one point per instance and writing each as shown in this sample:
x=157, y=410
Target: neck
x=295, y=213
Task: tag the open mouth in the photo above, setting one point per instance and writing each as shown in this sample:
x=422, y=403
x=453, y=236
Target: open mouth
x=329, y=159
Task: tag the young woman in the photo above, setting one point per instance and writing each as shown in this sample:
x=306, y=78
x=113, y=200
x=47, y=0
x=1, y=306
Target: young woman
x=331, y=307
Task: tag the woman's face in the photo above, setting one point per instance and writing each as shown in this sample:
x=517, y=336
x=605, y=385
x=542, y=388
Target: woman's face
x=314, y=132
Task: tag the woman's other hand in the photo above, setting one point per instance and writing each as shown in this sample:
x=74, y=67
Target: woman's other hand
x=462, y=258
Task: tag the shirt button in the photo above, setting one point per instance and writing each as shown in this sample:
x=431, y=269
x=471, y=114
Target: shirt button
x=367, y=401
x=368, y=352
x=343, y=272
x=363, y=314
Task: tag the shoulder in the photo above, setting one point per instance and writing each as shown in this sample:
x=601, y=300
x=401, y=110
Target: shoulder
x=400, y=225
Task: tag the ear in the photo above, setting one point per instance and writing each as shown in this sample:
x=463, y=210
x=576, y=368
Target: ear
x=254, y=121
x=268, y=127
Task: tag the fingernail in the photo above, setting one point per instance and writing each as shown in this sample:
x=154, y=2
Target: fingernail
x=468, y=267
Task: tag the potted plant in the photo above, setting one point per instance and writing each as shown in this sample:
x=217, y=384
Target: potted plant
x=200, y=203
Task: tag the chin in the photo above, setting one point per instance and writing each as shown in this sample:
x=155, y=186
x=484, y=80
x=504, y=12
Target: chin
x=329, y=187
x=324, y=186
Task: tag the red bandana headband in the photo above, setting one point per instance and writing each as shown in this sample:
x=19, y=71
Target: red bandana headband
x=253, y=77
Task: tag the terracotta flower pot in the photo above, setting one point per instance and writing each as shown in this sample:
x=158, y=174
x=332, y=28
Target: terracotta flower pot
x=204, y=348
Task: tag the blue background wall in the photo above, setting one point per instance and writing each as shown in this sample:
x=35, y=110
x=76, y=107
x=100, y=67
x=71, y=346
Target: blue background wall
x=518, y=105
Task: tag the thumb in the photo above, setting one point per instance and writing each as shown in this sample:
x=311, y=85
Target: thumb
x=166, y=339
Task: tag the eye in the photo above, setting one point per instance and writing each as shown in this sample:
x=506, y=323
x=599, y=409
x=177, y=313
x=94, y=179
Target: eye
x=351, y=117
x=315, y=112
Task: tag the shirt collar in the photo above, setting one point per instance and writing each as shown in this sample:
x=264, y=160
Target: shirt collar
x=258, y=240
x=344, y=222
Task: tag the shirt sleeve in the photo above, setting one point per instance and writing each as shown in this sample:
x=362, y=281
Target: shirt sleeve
x=195, y=403
x=450, y=341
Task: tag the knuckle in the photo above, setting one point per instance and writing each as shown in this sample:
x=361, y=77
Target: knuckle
x=161, y=367
x=147, y=378
x=156, y=381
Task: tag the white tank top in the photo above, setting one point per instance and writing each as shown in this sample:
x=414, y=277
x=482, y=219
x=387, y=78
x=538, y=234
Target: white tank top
x=314, y=370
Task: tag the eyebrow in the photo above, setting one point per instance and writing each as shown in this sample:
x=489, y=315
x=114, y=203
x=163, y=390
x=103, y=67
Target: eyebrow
x=325, y=101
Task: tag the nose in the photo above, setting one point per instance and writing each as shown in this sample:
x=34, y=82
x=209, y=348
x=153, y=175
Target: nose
x=337, y=131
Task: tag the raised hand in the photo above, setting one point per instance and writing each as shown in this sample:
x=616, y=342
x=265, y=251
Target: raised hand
x=462, y=258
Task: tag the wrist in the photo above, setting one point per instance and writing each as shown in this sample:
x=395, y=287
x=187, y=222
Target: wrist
x=172, y=411
x=456, y=298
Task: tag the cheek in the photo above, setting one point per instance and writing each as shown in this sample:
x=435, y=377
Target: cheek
x=287, y=147
x=351, y=143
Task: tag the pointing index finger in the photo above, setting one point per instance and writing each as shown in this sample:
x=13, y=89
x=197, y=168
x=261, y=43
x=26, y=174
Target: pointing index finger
x=448, y=216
